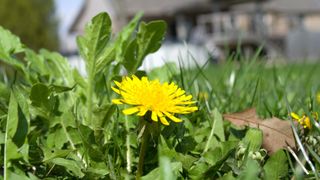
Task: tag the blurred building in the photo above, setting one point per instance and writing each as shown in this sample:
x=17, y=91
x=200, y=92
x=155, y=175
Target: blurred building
x=286, y=28
x=180, y=15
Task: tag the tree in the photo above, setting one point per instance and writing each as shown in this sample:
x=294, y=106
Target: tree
x=33, y=21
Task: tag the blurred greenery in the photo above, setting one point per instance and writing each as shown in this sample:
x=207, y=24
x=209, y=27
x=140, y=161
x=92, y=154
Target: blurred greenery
x=33, y=21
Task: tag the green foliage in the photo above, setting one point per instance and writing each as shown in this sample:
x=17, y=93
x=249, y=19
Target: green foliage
x=166, y=170
x=10, y=45
x=277, y=166
x=149, y=38
x=57, y=124
x=33, y=21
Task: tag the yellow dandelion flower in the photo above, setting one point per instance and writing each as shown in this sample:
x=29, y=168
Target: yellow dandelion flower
x=318, y=97
x=304, y=120
x=162, y=100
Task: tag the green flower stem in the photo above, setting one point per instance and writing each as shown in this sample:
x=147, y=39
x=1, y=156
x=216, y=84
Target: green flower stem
x=5, y=163
x=143, y=147
x=128, y=153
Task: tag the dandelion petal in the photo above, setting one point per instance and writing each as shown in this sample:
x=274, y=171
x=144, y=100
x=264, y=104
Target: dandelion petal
x=164, y=121
x=173, y=118
x=117, y=101
x=142, y=112
x=130, y=110
x=154, y=116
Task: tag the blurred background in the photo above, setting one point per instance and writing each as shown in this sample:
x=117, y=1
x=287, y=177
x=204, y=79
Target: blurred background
x=205, y=30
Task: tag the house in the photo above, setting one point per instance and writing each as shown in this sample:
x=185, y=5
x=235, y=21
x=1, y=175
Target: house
x=286, y=28
x=180, y=15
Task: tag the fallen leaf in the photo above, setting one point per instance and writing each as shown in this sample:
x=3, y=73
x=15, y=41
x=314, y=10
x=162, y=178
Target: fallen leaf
x=277, y=133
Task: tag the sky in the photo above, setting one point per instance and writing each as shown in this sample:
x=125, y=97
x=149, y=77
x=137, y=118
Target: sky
x=66, y=12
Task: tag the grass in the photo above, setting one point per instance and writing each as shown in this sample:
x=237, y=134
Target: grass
x=274, y=89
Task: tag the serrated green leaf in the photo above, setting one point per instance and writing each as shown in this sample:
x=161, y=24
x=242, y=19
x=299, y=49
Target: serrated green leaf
x=16, y=130
x=72, y=166
x=21, y=97
x=253, y=139
x=216, y=129
x=169, y=170
x=211, y=157
x=105, y=59
x=218, y=156
x=95, y=40
x=227, y=176
x=57, y=66
x=12, y=151
x=2, y=138
x=251, y=170
x=9, y=45
x=124, y=37
x=197, y=171
x=102, y=115
x=79, y=79
x=23, y=117
x=36, y=63
x=22, y=129
x=50, y=154
x=60, y=138
x=116, y=50
x=95, y=153
x=218, y=125
x=148, y=40
x=130, y=56
x=98, y=168
x=60, y=89
x=93, y=46
x=166, y=170
x=186, y=160
x=82, y=47
x=42, y=98
x=277, y=166
x=75, y=136
x=186, y=145
x=12, y=119
x=154, y=33
x=39, y=95
x=4, y=91
x=14, y=175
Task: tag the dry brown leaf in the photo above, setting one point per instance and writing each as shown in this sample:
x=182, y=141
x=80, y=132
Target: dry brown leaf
x=277, y=133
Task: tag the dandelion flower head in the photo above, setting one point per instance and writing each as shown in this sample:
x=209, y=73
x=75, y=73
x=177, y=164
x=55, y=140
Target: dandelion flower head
x=162, y=100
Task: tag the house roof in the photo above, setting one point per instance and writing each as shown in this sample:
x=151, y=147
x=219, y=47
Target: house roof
x=283, y=6
x=171, y=7
x=166, y=7
x=89, y=9
x=294, y=6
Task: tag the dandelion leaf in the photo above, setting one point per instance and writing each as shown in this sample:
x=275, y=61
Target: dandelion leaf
x=277, y=166
x=148, y=40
